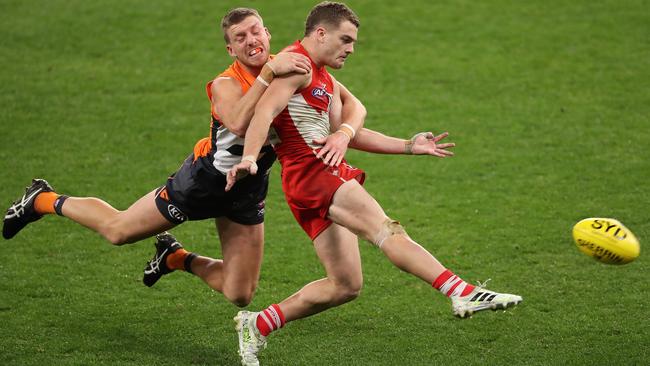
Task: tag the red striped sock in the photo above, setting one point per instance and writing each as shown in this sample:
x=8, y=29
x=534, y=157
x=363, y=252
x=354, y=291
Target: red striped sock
x=270, y=319
x=451, y=285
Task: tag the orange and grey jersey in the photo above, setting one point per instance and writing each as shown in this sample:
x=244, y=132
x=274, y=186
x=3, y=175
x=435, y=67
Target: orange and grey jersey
x=223, y=148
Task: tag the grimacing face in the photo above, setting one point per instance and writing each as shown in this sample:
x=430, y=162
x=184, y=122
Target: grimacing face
x=249, y=42
x=338, y=44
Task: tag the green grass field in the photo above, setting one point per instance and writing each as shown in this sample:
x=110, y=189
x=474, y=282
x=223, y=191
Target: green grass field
x=548, y=102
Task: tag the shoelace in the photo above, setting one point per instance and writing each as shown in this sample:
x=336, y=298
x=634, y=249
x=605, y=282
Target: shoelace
x=155, y=263
x=481, y=285
x=18, y=206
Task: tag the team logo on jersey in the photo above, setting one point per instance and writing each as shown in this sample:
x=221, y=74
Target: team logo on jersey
x=176, y=213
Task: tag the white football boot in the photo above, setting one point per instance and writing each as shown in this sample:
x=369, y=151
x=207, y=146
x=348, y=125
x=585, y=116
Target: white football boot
x=482, y=299
x=251, y=342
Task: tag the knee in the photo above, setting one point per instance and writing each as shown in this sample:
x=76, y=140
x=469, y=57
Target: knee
x=239, y=297
x=117, y=238
x=388, y=228
x=349, y=295
x=116, y=234
x=240, y=300
x=348, y=292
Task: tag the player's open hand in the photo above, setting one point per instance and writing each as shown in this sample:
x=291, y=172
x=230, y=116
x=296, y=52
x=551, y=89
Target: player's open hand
x=239, y=171
x=426, y=143
x=334, y=149
x=290, y=62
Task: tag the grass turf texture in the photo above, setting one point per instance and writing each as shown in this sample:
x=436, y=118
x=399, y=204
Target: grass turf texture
x=547, y=101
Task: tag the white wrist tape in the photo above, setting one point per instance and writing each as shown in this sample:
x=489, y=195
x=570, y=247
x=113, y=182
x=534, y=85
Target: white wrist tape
x=408, y=144
x=271, y=67
x=261, y=80
x=348, y=134
x=352, y=131
x=251, y=159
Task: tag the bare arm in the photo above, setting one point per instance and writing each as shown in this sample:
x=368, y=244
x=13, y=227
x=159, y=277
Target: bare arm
x=423, y=143
x=347, y=115
x=352, y=111
x=270, y=105
x=236, y=108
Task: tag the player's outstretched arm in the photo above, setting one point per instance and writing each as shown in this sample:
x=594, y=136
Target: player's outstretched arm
x=235, y=108
x=270, y=105
x=346, y=107
x=423, y=143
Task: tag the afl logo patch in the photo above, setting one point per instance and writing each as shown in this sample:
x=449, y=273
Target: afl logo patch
x=320, y=92
x=175, y=213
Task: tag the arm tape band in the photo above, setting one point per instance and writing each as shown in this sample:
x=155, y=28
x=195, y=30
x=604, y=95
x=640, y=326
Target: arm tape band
x=408, y=144
x=350, y=128
x=346, y=133
x=271, y=67
x=261, y=80
x=250, y=158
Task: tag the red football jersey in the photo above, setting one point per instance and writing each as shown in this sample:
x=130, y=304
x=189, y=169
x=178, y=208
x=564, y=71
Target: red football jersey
x=308, y=183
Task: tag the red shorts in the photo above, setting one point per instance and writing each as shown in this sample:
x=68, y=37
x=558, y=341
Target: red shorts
x=309, y=186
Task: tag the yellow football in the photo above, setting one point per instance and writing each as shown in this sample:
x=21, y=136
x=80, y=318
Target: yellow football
x=606, y=240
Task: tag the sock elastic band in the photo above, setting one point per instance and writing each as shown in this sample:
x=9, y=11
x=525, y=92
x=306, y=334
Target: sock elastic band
x=187, y=263
x=58, y=204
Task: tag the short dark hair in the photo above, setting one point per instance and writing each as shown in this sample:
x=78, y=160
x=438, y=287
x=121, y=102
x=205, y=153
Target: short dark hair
x=329, y=13
x=236, y=16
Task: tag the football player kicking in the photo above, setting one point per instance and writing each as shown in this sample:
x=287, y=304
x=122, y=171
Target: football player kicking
x=329, y=202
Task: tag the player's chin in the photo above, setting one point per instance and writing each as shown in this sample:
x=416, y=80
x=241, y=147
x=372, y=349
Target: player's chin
x=337, y=64
x=256, y=61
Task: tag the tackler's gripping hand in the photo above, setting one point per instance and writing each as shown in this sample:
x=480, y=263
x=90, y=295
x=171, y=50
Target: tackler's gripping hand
x=239, y=171
x=334, y=149
x=289, y=62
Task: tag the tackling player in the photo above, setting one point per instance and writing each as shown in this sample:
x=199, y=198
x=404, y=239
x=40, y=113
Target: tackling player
x=329, y=202
x=196, y=190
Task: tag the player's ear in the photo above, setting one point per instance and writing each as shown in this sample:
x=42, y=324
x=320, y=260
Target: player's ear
x=320, y=34
x=230, y=50
x=267, y=32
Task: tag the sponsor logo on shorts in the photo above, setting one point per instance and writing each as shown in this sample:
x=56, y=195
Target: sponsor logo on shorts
x=260, y=208
x=176, y=213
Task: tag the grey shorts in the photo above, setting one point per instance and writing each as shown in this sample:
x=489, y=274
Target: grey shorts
x=196, y=191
